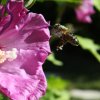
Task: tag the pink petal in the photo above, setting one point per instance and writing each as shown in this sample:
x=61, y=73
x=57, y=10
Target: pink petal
x=32, y=31
x=15, y=9
x=23, y=78
x=84, y=11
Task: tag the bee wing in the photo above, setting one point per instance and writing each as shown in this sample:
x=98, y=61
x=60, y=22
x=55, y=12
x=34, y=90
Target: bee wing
x=71, y=28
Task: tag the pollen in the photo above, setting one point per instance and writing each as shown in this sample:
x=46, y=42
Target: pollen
x=2, y=56
x=8, y=55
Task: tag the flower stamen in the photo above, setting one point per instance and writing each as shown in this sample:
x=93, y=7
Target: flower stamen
x=2, y=56
x=8, y=55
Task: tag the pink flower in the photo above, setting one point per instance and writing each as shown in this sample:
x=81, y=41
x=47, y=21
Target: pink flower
x=84, y=11
x=24, y=46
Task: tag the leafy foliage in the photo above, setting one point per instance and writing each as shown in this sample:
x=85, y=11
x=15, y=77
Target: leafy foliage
x=88, y=44
x=57, y=89
x=54, y=61
x=70, y=1
x=57, y=95
x=3, y=97
x=29, y=3
x=3, y=2
x=97, y=4
x=55, y=82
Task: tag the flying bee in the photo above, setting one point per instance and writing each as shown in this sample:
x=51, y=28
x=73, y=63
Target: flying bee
x=65, y=35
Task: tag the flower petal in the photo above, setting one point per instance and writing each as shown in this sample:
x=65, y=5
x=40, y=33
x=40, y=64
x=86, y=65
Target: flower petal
x=32, y=31
x=15, y=10
x=23, y=78
x=84, y=11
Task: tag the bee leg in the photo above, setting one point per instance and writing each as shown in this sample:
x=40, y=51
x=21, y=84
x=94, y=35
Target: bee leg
x=60, y=44
x=59, y=47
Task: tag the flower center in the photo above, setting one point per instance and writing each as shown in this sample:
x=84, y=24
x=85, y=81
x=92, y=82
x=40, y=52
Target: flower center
x=8, y=55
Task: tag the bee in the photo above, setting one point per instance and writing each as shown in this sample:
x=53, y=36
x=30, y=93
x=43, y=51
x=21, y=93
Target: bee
x=65, y=35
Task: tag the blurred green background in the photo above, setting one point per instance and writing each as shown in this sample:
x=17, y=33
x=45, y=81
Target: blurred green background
x=74, y=69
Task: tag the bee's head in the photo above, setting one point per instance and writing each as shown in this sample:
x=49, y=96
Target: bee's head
x=56, y=26
x=56, y=30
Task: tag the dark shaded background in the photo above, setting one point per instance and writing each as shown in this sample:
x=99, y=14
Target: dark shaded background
x=77, y=62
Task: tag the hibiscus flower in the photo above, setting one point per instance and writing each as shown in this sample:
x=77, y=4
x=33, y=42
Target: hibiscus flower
x=24, y=46
x=84, y=11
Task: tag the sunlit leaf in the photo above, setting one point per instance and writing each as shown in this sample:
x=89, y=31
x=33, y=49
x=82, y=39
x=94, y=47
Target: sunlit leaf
x=54, y=61
x=64, y=95
x=29, y=3
x=88, y=44
x=58, y=95
x=97, y=4
x=57, y=83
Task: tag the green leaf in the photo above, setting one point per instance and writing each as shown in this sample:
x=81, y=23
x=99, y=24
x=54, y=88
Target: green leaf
x=3, y=97
x=57, y=89
x=29, y=3
x=88, y=44
x=64, y=95
x=57, y=95
x=40, y=0
x=97, y=4
x=54, y=61
x=70, y=1
x=3, y=2
x=57, y=83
